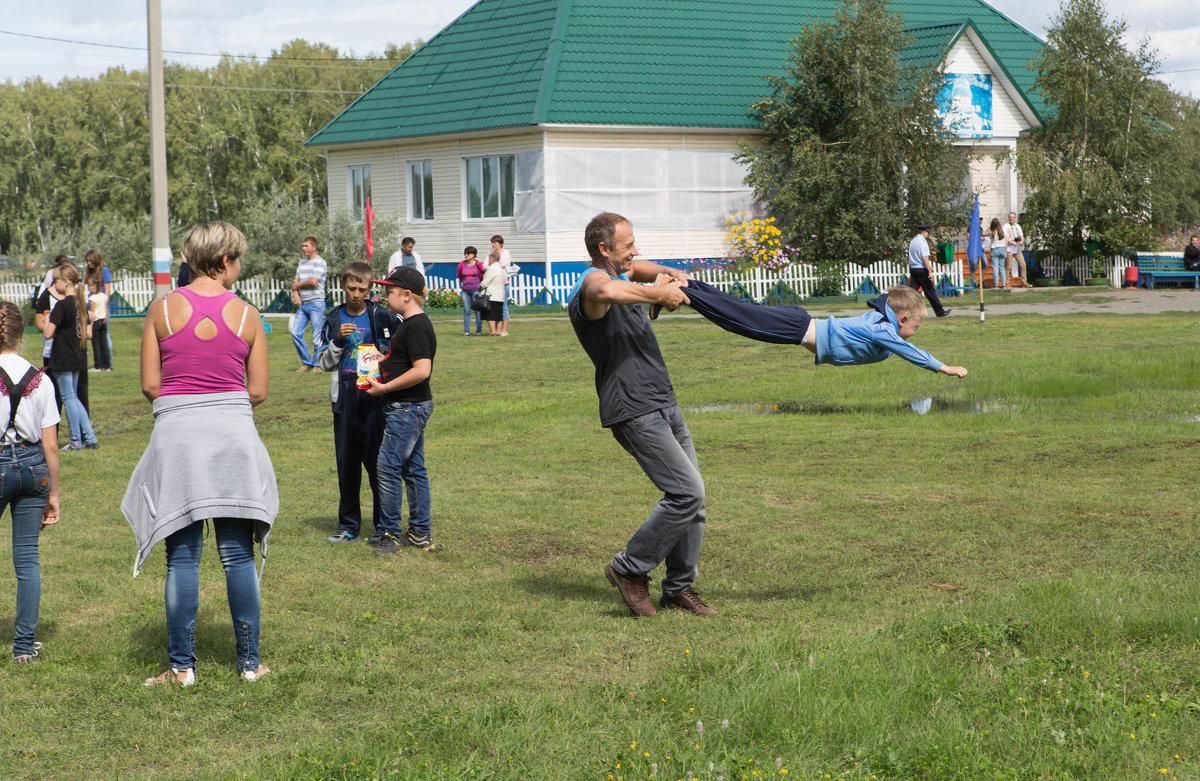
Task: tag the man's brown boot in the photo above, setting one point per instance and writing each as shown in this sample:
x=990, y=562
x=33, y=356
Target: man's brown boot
x=635, y=591
x=687, y=600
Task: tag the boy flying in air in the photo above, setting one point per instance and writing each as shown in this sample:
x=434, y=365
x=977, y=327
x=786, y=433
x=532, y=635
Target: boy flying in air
x=842, y=341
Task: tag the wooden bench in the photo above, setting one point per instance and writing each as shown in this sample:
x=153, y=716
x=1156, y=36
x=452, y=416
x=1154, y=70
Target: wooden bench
x=1165, y=268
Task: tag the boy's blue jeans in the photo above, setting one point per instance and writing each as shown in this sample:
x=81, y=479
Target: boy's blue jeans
x=401, y=468
x=662, y=445
x=309, y=312
x=24, y=486
x=235, y=545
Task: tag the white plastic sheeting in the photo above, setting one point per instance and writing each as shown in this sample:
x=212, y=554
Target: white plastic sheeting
x=657, y=189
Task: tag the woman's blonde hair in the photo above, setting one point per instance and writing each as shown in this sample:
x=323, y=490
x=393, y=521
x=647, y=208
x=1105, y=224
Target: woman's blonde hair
x=68, y=272
x=12, y=326
x=207, y=243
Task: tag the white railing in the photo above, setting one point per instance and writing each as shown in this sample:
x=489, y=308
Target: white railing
x=1081, y=268
x=802, y=279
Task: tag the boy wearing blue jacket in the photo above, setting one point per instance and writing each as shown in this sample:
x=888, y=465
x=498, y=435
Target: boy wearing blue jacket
x=357, y=416
x=841, y=341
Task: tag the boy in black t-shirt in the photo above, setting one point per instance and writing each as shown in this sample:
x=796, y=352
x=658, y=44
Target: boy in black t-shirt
x=403, y=386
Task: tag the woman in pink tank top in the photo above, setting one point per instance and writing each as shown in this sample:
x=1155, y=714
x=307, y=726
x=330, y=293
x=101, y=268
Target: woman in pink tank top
x=204, y=367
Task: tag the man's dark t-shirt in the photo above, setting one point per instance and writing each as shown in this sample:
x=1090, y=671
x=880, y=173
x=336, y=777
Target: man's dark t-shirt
x=414, y=339
x=631, y=377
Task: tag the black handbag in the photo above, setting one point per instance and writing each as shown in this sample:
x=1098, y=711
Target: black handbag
x=481, y=302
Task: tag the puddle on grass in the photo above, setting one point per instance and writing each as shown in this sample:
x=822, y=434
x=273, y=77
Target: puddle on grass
x=927, y=404
x=922, y=406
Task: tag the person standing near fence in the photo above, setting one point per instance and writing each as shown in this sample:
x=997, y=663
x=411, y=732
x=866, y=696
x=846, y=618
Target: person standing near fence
x=1014, y=243
x=102, y=276
x=98, y=315
x=995, y=239
x=470, y=275
x=69, y=328
x=308, y=294
x=406, y=256
x=505, y=263
x=921, y=272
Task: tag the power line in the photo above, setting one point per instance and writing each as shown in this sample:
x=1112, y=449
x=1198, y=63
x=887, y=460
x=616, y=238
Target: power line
x=142, y=49
x=237, y=89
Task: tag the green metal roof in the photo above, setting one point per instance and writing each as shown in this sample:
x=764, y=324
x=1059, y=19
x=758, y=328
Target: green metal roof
x=683, y=63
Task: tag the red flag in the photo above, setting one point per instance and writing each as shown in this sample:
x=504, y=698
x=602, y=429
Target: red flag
x=370, y=241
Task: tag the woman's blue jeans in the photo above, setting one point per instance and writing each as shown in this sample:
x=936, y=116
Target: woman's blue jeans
x=467, y=297
x=24, y=486
x=235, y=545
x=507, y=291
x=999, y=273
x=78, y=421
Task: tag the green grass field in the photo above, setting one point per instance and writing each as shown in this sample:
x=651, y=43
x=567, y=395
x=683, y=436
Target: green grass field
x=1056, y=485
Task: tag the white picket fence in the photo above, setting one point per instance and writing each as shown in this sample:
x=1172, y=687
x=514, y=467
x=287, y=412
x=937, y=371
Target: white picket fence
x=138, y=289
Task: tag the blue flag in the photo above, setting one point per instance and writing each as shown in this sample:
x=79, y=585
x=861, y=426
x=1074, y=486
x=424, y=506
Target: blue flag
x=974, y=235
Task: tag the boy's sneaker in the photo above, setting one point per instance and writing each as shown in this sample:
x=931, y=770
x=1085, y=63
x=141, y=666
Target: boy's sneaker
x=29, y=658
x=342, y=536
x=92, y=445
x=388, y=545
x=424, y=543
x=73, y=446
x=375, y=538
x=687, y=600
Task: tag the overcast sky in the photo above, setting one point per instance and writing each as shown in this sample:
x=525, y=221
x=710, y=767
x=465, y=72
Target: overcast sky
x=255, y=27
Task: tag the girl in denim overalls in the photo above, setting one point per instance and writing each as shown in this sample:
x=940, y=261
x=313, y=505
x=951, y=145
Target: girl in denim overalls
x=28, y=471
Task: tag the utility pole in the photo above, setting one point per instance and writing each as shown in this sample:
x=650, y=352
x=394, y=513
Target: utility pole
x=158, y=153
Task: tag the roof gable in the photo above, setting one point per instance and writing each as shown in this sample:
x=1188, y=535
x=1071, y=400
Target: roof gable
x=685, y=63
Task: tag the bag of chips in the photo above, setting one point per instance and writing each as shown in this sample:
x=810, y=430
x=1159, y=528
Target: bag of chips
x=368, y=365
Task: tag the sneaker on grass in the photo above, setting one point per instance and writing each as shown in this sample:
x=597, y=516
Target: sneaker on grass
x=342, y=536
x=388, y=545
x=424, y=543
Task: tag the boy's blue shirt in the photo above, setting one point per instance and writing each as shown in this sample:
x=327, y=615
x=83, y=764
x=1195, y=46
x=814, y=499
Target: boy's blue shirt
x=383, y=326
x=869, y=338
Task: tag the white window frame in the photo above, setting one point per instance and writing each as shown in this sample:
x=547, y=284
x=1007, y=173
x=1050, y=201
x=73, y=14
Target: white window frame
x=420, y=210
x=358, y=180
x=486, y=172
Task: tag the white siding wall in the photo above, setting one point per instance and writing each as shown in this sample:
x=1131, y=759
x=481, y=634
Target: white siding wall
x=1007, y=120
x=385, y=182
x=653, y=245
x=991, y=182
x=444, y=238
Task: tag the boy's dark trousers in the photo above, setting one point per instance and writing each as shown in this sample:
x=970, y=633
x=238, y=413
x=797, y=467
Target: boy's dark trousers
x=100, y=357
x=920, y=280
x=357, y=432
x=774, y=324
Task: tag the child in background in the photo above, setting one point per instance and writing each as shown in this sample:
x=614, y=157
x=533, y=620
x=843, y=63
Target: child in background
x=98, y=314
x=403, y=386
x=841, y=341
x=28, y=471
x=69, y=328
x=357, y=417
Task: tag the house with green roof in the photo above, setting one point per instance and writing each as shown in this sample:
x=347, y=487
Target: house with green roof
x=527, y=117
